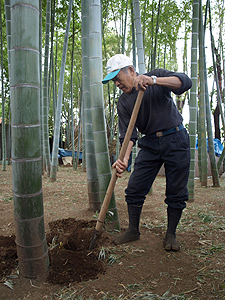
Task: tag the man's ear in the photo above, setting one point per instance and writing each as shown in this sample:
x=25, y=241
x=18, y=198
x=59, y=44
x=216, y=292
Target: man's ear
x=131, y=70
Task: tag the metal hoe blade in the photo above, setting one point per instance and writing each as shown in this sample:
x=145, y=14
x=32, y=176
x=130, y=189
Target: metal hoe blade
x=96, y=234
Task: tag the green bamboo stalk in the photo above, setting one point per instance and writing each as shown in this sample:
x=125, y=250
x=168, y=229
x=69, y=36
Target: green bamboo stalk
x=144, y=25
x=79, y=132
x=67, y=118
x=8, y=30
x=51, y=83
x=217, y=86
x=153, y=62
x=9, y=137
x=71, y=96
x=54, y=79
x=214, y=170
x=83, y=134
x=199, y=146
x=185, y=49
x=139, y=38
x=111, y=122
x=221, y=159
x=215, y=71
x=41, y=95
x=112, y=127
x=59, y=100
x=133, y=34
x=91, y=167
x=124, y=29
x=193, y=96
x=67, y=121
x=49, y=75
x=141, y=56
x=3, y=101
x=55, y=75
x=45, y=107
x=97, y=106
x=26, y=134
x=202, y=109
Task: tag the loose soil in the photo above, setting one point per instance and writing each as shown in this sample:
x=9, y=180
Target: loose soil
x=137, y=270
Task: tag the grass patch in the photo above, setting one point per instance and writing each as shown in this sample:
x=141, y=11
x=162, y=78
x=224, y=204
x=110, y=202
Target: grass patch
x=70, y=294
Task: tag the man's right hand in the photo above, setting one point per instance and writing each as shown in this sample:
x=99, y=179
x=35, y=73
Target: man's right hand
x=120, y=166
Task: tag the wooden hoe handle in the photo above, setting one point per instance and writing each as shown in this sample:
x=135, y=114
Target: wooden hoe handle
x=109, y=192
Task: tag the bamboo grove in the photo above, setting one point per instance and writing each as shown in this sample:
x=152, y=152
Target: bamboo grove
x=53, y=57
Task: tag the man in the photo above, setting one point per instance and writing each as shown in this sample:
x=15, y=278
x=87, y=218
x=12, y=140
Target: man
x=165, y=141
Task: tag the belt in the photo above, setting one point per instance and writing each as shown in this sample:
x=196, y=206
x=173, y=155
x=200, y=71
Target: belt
x=166, y=132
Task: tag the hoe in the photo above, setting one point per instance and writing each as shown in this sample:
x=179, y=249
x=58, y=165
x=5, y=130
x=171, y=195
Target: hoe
x=109, y=192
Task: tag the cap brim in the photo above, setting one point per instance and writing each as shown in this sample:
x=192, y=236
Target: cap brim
x=110, y=76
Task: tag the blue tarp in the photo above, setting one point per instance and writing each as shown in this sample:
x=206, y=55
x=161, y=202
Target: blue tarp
x=63, y=153
x=218, y=146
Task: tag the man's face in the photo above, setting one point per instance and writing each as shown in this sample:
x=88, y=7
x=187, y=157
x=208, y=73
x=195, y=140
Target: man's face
x=124, y=80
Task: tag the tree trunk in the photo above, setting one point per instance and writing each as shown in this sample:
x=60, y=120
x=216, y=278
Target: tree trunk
x=26, y=134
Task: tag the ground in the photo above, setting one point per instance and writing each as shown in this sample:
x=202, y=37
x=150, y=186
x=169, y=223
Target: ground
x=138, y=270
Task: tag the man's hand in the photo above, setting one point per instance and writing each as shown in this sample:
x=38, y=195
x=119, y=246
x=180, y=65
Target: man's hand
x=120, y=166
x=142, y=81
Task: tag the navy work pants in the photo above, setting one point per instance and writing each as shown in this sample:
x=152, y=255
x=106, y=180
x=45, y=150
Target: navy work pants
x=174, y=151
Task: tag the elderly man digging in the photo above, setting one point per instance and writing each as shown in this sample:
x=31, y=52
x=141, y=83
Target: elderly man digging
x=165, y=140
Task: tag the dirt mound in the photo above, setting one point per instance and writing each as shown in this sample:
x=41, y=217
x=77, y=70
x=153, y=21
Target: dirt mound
x=70, y=258
x=71, y=261
x=8, y=255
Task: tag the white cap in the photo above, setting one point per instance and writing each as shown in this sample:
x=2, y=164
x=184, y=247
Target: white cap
x=115, y=64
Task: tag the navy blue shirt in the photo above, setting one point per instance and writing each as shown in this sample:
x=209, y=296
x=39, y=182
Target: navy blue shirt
x=158, y=111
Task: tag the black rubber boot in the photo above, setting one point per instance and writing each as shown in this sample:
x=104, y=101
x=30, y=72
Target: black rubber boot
x=170, y=242
x=132, y=233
